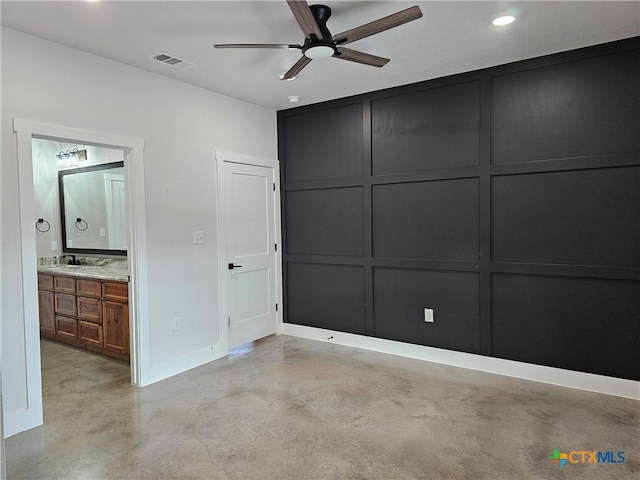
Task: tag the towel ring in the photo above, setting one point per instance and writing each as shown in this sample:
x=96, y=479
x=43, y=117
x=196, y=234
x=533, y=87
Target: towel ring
x=42, y=225
x=81, y=224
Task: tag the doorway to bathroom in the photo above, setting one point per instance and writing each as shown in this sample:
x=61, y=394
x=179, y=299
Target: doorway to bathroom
x=132, y=299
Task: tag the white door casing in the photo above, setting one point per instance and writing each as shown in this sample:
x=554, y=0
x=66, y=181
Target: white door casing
x=248, y=234
x=31, y=416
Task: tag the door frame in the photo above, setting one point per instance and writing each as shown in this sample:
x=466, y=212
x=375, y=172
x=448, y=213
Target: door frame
x=137, y=256
x=222, y=158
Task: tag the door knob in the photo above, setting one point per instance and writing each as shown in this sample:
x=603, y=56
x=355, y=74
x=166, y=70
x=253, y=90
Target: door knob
x=232, y=266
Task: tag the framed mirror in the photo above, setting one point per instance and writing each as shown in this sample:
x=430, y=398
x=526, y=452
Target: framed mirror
x=93, y=209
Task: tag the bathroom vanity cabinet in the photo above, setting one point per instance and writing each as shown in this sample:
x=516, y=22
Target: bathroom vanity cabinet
x=87, y=313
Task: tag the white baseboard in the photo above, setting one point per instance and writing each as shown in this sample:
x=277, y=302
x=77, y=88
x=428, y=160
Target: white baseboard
x=21, y=420
x=175, y=366
x=538, y=373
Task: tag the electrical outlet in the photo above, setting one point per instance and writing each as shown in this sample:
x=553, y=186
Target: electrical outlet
x=102, y=232
x=428, y=315
x=54, y=245
x=198, y=237
x=177, y=324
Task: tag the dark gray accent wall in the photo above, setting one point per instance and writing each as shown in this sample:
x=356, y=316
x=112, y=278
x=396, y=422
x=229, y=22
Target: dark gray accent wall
x=505, y=199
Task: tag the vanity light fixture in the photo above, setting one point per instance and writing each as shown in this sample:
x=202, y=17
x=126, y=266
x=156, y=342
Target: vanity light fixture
x=70, y=158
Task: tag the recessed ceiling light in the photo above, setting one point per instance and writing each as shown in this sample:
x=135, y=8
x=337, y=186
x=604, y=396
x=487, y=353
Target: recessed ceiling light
x=293, y=99
x=503, y=20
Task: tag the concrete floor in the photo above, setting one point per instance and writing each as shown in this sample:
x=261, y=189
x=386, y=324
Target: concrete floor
x=298, y=409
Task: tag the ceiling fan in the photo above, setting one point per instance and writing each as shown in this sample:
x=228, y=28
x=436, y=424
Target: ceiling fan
x=319, y=43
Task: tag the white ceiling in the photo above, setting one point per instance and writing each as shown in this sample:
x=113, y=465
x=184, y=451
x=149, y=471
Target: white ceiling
x=452, y=37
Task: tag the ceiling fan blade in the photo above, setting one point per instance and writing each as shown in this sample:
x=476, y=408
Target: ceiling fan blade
x=395, y=20
x=256, y=45
x=305, y=19
x=360, y=57
x=297, y=67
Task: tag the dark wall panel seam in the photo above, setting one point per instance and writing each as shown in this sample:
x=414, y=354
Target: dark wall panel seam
x=583, y=271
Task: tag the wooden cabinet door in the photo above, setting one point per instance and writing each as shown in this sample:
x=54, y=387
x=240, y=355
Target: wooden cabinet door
x=66, y=304
x=90, y=333
x=47, y=312
x=90, y=309
x=115, y=322
x=66, y=328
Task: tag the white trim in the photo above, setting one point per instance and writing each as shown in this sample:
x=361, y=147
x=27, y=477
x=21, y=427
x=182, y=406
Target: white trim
x=137, y=257
x=181, y=364
x=220, y=158
x=555, y=376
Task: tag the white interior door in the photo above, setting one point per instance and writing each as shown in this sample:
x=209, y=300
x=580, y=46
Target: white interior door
x=115, y=191
x=251, y=252
x=120, y=214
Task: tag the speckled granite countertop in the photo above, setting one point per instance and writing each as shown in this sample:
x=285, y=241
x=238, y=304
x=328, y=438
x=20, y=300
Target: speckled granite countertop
x=99, y=269
x=87, y=271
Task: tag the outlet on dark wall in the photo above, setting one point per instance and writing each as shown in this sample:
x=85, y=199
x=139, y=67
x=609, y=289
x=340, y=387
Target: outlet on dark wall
x=506, y=199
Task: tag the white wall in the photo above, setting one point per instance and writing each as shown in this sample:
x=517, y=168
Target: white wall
x=181, y=126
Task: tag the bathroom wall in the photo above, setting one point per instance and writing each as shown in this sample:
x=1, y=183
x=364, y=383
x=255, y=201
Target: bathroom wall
x=182, y=126
x=45, y=186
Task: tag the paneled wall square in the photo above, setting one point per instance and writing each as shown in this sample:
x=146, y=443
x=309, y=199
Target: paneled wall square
x=401, y=295
x=586, y=217
x=428, y=129
x=584, y=324
x=426, y=220
x=326, y=296
x=324, y=144
x=325, y=222
x=579, y=108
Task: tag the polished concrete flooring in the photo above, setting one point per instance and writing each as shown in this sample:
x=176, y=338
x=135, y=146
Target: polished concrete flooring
x=297, y=409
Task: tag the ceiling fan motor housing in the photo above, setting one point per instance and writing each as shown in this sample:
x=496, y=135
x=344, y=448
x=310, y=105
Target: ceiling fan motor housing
x=320, y=47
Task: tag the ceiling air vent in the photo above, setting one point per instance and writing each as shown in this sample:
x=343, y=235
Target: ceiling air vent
x=173, y=61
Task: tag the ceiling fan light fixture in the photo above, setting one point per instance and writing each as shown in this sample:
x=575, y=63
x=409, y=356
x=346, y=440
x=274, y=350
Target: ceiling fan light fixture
x=314, y=52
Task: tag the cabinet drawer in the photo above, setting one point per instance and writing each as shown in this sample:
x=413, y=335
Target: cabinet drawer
x=117, y=291
x=65, y=304
x=67, y=327
x=89, y=288
x=90, y=333
x=45, y=282
x=64, y=284
x=90, y=309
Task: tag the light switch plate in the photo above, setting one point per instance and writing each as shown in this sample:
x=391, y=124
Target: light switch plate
x=198, y=237
x=54, y=245
x=102, y=232
x=428, y=315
